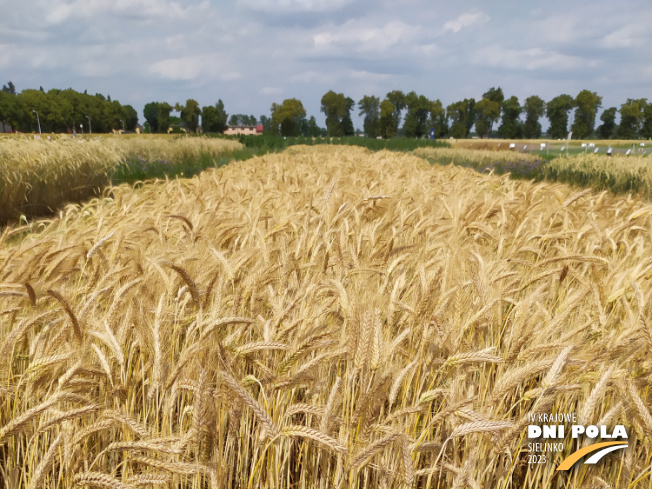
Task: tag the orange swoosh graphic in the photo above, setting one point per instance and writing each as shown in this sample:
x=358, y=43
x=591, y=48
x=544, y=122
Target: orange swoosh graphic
x=574, y=457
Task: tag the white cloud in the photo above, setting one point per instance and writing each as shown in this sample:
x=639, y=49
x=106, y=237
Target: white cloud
x=12, y=56
x=276, y=6
x=626, y=37
x=366, y=75
x=558, y=28
x=176, y=43
x=308, y=76
x=193, y=67
x=270, y=91
x=364, y=38
x=62, y=11
x=467, y=19
x=618, y=39
x=96, y=69
x=431, y=49
x=528, y=59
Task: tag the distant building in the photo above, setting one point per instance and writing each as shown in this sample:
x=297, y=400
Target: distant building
x=250, y=130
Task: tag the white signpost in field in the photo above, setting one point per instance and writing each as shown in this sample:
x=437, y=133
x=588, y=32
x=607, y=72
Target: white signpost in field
x=570, y=135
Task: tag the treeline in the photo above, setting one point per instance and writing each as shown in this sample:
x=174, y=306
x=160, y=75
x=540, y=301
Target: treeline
x=287, y=119
x=62, y=111
x=397, y=114
x=493, y=115
x=415, y=116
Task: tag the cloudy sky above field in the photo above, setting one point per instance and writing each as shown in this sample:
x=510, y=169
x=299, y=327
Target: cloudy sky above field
x=251, y=53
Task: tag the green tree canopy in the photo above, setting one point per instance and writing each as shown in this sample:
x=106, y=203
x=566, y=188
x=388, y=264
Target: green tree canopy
x=462, y=117
x=213, y=118
x=632, y=117
x=234, y=120
x=438, y=119
x=511, y=126
x=397, y=98
x=50, y=114
x=266, y=122
x=242, y=120
x=495, y=95
x=347, y=123
x=487, y=112
x=334, y=105
x=164, y=110
x=130, y=116
x=587, y=103
x=386, y=123
x=370, y=108
x=9, y=88
x=286, y=117
x=9, y=110
x=157, y=115
x=416, y=118
x=534, y=108
x=151, y=113
x=607, y=128
x=557, y=113
x=646, y=129
x=310, y=129
x=189, y=114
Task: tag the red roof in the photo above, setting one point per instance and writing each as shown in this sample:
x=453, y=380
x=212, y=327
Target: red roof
x=259, y=128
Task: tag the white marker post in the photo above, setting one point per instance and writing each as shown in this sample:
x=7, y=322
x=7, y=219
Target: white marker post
x=570, y=135
x=38, y=120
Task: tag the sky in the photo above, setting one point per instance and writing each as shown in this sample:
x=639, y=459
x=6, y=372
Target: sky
x=252, y=53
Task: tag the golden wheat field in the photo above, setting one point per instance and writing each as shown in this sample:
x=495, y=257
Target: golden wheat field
x=622, y=174
x=498, y=144
x=325, y=317
x=38, y=175
x=479, y=159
